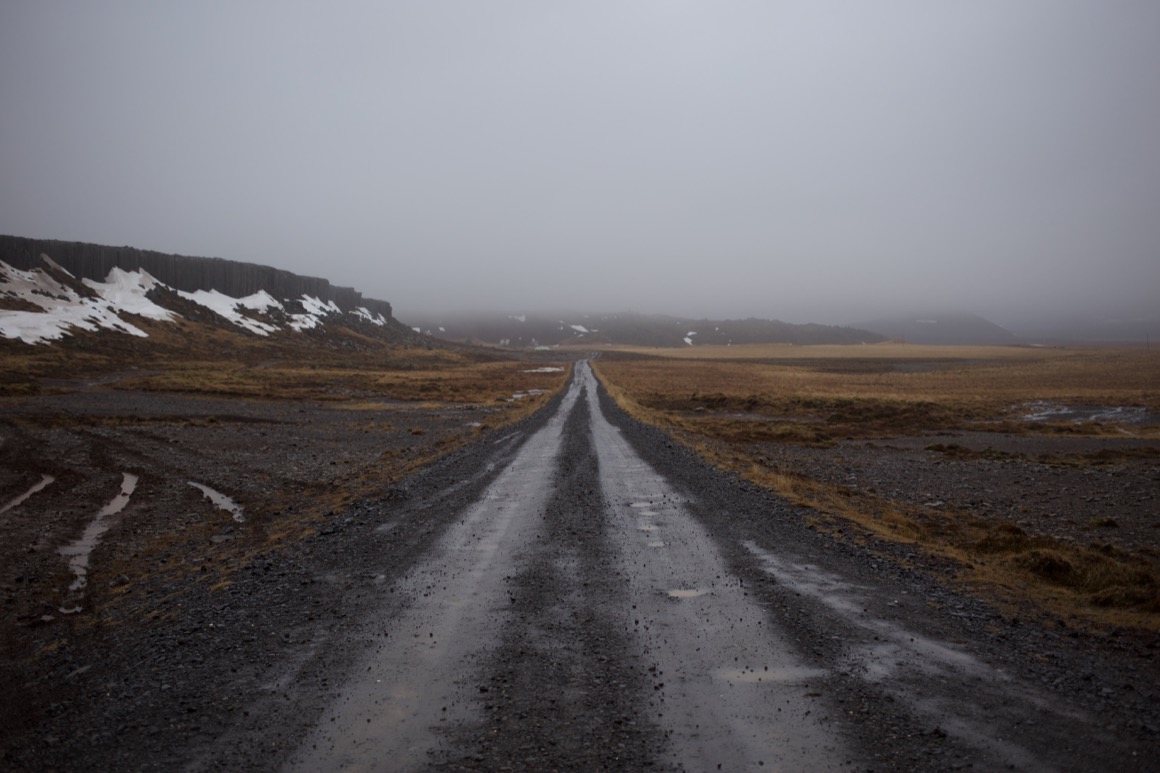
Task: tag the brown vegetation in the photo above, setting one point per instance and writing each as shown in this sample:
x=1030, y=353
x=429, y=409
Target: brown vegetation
x=734, y=411
x=293, y=431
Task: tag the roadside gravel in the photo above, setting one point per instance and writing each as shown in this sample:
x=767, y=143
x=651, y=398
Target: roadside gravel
x=1112, y=680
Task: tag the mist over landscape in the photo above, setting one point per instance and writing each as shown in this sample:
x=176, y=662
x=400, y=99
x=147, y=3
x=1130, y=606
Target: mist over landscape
x=808, y=162
x=618, y=385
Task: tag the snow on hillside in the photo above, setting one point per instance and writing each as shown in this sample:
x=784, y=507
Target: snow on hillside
x=225, y=306
x=62, y=308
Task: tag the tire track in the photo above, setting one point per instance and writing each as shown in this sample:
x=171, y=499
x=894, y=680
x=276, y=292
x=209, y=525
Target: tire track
x=567, y=689
x=394, y=712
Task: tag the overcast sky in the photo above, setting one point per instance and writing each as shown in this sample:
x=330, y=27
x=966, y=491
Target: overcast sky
x=807, y=161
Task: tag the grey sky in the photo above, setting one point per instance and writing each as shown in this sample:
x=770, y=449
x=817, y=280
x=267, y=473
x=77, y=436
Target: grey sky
x=808, y=161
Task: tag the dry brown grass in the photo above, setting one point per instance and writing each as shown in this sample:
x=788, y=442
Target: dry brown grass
x=726, y=409
x=442, y=380
x=891, y=351
x=375, y=385
x=819, y=398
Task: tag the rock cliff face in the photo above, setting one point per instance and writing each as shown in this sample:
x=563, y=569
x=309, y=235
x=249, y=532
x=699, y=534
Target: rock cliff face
x=231, y=277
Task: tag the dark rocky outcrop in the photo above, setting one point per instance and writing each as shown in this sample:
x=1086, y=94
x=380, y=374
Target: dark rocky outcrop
x=181, y=272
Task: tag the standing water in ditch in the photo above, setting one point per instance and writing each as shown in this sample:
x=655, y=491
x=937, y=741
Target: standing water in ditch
x=78, y=552
x=45, y=481
x=221, y=501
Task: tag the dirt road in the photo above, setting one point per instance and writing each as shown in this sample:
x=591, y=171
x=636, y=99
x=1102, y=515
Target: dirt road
x=582, y=614
x=576, y=593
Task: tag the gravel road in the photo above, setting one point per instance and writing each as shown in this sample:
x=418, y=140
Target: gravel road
x=580, y=593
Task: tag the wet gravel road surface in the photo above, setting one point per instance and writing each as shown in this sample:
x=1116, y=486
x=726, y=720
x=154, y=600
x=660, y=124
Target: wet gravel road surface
x=580, y=593
x=588, y=612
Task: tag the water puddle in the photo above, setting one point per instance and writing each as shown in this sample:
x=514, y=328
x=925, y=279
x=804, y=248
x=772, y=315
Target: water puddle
x=647, y=513
x=78, y=552
x=528, y=393
x=221, y=501
x=545, y=370
x=640, y=505
x=767, y=674
x=685, y=593
x=656, y=544
x=1045, y=410
x=45, y=481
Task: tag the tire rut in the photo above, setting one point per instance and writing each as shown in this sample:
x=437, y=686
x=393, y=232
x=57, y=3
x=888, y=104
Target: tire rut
x=565, y=690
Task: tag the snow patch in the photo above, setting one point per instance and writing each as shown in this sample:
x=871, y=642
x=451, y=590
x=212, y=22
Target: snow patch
x=62, y=308
x=126, y=290
x=362, y=312
x=225, y=306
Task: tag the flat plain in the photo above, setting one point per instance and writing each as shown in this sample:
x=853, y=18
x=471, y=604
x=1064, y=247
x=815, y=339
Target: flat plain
x=1030, y=474
x=220, y=455
x=258, y=519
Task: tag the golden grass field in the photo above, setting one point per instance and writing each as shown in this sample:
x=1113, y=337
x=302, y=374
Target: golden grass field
x=219, y=364
x=732, y=404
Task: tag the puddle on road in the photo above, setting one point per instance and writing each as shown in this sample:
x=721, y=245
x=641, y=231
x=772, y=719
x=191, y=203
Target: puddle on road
x=656, y=544
x=647, y=513
x=78, y=552
x=640, y=505
x=766, y=674
x=221, y=501
x=686, y=593
x=45, y=481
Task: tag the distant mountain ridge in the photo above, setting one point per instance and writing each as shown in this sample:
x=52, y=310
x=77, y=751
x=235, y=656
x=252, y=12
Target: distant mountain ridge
x=181, y=272
x=525, y=330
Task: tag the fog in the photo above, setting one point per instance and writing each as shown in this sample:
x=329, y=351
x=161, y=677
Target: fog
x=805, y=161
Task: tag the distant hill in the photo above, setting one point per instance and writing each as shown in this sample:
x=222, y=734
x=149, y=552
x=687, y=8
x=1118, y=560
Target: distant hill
x=69, y=287
x=181, y=272
x=526, y=330
x=1138, y=324
x=941, y=329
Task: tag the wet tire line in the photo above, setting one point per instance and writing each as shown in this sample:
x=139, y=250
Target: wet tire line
x=731, y=688
x=566, y=691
